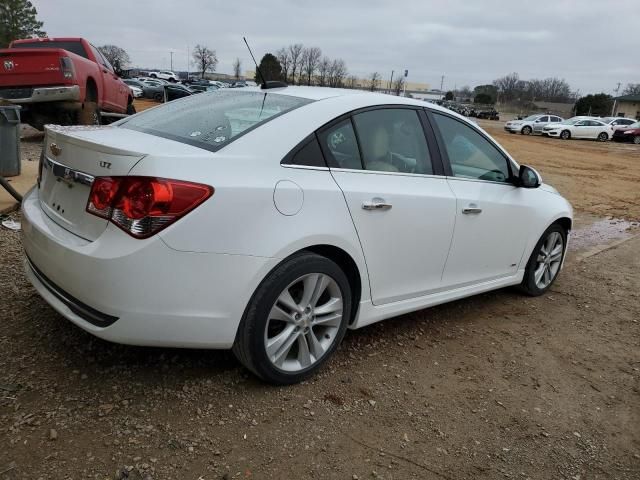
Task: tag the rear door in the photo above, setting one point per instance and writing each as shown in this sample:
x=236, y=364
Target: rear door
x=540, y=123
x=492, y=214
x=402, y=207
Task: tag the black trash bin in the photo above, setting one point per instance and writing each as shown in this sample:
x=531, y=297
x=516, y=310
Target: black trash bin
x=9, y=140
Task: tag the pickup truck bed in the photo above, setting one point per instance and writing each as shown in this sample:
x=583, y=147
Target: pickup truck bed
x=62, y=80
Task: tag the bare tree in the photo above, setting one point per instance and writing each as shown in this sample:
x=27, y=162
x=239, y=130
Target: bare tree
x=205, y=59
x=323, y=71
x=352, y=82
x=295, y=55
x=398, y=85
x=310, y=60
x=285, y=62
x=632, y=89
x=117, y=57
x=237, y=68
x=337, y=72
x=373, y=82
x=510, y=86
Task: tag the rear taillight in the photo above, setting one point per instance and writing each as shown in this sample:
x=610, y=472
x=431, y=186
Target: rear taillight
x=142, y=206
x=66, y=66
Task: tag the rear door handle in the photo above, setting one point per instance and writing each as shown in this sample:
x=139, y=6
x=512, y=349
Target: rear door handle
x=376, y=203
x=472, y=209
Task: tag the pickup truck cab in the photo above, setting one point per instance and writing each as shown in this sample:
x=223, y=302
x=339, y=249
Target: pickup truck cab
x=61, y=80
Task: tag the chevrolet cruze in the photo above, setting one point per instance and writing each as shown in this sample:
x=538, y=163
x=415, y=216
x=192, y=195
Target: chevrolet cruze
x=271, y=220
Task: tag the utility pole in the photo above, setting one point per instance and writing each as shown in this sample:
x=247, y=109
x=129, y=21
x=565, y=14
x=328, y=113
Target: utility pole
x=390, y=83
x=171, y=53
x=441, y=84
x=613, y=107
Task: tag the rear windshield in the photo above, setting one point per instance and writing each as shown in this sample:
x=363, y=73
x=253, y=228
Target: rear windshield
x=212, y=120
x=73, y=47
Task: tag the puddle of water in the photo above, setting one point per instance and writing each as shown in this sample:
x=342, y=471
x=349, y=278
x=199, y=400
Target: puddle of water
x=602, y=232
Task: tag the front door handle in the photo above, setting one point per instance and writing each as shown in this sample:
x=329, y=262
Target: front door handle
x=471, y=209
x=376, y=203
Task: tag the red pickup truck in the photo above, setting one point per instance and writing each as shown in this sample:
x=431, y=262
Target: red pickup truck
x=61, y=80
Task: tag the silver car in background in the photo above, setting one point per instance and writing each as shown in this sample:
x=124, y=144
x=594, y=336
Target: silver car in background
x=533, y=124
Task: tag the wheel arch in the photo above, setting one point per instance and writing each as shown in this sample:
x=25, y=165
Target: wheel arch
x=348, y=266
x=91, y=90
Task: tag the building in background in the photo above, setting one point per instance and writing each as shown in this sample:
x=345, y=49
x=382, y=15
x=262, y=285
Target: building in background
x=627, y=106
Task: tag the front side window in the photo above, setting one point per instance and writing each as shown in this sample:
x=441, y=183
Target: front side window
x=211, y=120
x=392, y=140
x=470, y=154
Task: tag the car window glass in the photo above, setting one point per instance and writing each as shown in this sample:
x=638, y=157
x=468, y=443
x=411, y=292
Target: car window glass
x=71, y=46
x=470, y=154
x=544, y=119
x=392, y=140
x=340, y=146
x=556, y=119
x=309, y=155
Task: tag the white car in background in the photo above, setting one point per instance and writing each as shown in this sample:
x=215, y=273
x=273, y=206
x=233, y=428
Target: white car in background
x=617, y=123
x=272, y=220
x=165, y=75
x=136, y=91
x=533, y=124
x=588, y=128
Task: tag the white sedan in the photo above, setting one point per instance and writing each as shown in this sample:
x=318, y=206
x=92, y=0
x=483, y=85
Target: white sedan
x=271, y=221
x=588, y=128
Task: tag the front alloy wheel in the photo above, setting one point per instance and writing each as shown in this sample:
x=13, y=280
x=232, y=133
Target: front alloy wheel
x=565, y=135
x=545, y=261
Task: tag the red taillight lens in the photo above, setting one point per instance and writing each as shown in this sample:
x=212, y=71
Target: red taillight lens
x=142, y=206
x=66, y=66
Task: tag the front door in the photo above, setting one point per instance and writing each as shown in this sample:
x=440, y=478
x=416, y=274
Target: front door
x=403, y=211
x=492, y=214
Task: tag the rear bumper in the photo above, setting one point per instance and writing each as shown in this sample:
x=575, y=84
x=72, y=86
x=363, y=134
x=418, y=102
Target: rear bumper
x=138, y=292
x=47, y=94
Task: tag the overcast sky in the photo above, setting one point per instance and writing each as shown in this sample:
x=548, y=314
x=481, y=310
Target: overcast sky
x=590, y=43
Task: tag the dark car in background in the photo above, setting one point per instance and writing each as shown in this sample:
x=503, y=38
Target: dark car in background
x=175, y=91
x=491, y=114
x=629, y=134
x=149, y=90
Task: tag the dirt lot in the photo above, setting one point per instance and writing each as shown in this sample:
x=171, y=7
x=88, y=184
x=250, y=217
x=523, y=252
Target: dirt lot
x=496, y=386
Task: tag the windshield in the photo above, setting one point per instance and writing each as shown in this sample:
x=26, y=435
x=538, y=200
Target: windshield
x=531, y=117
x=214, y=119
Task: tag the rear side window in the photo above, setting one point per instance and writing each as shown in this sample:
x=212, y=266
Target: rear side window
x=212, y=120
x=470, y=154
x=309, y=155
x=340, y=146
x=74, y=47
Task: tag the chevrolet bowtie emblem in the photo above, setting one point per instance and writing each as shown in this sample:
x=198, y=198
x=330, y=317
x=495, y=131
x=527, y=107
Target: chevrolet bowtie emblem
x=55, y=149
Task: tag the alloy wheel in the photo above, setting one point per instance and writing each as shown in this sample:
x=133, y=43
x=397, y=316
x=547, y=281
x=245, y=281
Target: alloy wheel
x=602, y=137
x=636, y=139
x=304, y=322
x=549, y=260
x=565, y=135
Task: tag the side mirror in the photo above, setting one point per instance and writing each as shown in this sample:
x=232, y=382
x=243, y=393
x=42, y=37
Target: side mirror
x=528, y=177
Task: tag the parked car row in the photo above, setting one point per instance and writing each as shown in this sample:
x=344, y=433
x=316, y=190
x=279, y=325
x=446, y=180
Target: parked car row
x=584, y=127
x=153, y=86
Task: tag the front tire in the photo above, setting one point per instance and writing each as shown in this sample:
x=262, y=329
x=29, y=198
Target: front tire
x=565, y=135
x=295, y=320
x=526, y=130
x=545, y=261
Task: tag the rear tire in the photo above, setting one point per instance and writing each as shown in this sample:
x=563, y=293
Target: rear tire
x=153, y=75
x=89, y=114
x=603, y=137
x=158, y=97
x=546, y=259
x=636, y=139
x=131, y=109
x=295, y=320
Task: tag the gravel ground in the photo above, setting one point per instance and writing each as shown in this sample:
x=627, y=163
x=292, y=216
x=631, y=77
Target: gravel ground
x=495, y=386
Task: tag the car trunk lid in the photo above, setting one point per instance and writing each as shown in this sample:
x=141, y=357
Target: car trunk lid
x=74, y=156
